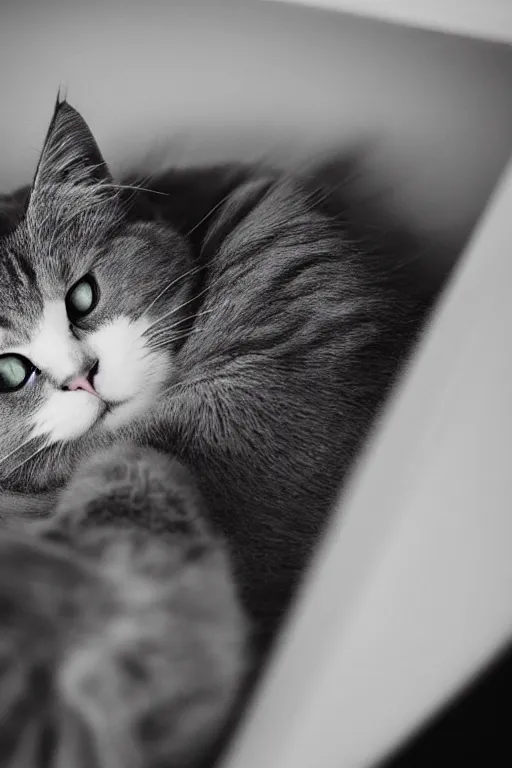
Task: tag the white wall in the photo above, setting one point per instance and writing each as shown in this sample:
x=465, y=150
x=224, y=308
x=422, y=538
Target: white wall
x=491, y=20
x=242, y=79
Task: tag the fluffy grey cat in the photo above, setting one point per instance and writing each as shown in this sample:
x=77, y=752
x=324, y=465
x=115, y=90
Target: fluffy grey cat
x=187, y=370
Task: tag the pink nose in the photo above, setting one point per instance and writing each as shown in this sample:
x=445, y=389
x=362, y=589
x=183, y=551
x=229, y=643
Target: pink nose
x=82, y=383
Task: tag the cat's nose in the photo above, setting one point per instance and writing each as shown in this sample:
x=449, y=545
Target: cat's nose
x=84, y=382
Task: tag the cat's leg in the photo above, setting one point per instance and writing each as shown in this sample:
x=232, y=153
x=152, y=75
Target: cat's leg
x=19, y=506
x=122, y=643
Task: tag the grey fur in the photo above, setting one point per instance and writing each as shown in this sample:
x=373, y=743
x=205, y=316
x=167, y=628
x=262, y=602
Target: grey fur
x=140, y=643
x=283, y=327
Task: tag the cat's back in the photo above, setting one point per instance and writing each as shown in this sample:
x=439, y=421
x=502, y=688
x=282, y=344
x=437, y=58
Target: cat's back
x=304, y=310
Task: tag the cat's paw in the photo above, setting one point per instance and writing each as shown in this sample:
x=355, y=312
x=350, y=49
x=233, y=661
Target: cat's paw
x=131, y=658
x=126, y=485
x=39, y=588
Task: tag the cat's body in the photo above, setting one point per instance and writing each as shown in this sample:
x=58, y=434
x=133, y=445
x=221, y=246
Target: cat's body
x=241, y=320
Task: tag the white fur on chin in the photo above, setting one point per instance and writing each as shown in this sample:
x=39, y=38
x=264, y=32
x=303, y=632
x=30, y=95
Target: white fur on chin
x=66, y=416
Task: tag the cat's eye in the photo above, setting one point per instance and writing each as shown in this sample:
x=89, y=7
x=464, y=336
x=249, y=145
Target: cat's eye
x=82, y=298
x=15, y=371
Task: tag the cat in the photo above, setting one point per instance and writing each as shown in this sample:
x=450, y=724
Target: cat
x=187, y=370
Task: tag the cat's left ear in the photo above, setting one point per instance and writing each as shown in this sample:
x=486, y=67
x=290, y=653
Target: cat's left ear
x=70, y=154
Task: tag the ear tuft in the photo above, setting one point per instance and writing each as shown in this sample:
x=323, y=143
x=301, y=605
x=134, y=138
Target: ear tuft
x=70, y=154
x=61, y=95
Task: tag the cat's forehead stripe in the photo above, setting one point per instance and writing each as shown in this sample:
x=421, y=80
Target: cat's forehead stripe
x=20, y=297
x=17, y=269
x=5, y=322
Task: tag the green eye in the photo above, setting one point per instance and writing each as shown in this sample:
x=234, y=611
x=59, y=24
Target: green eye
x=15, y=371
x=82, y=298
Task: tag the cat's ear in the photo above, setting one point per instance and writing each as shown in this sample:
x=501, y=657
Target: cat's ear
x=70, y=154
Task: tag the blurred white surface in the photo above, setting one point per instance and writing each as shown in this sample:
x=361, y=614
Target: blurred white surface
x=491, y=19
x=223, y=79
x=411, y=593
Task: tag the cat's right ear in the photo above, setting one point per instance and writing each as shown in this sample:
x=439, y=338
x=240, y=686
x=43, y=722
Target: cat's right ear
x=70, y=156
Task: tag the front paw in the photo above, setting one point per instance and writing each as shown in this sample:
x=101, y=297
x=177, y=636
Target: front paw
x=128, y=486
x=39, y=589
x=131, y=658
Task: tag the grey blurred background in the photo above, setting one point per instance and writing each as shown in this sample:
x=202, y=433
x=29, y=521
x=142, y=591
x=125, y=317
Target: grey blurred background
x=192, y=81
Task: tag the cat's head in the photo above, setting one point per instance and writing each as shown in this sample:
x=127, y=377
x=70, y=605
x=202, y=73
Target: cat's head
x=86, y=295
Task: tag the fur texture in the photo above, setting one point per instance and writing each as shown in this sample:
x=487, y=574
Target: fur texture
x=248, y=323
x=122, y=641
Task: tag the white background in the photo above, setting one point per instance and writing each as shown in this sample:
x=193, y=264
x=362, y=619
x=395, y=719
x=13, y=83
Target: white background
x=241, y=79
x=491, y=19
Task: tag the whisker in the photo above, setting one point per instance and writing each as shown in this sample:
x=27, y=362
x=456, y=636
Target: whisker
x=210, y=212
x=8, y=455
x=173, y=282
x=177, y=309
x=167, y=328
x=137, y=186
x=137, y=189
x=174, y=337
x=164, y=342
x=32, y=455
x=58, y=455
x=185, y=385
x=171, y=388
